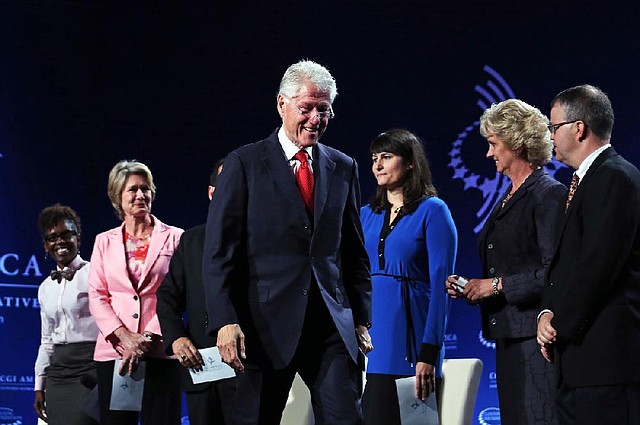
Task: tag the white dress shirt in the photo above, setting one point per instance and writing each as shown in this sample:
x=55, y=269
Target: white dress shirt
x=586, y=164
x=65, y=316
x=290, y=150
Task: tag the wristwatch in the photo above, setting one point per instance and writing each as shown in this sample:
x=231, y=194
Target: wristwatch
x=494, y=283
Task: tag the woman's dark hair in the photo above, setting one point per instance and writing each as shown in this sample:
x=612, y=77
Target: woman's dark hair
x=213, y=178
x=417, y=184
x=50, y=216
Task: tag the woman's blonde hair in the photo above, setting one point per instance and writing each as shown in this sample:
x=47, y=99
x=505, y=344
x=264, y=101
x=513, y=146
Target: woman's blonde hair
x=521, y=127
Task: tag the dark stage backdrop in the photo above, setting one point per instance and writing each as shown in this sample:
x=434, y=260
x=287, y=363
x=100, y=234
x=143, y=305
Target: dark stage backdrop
x=84, y=84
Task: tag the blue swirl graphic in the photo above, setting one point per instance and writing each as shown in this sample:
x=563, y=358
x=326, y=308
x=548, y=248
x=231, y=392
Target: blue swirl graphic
x=495, y=89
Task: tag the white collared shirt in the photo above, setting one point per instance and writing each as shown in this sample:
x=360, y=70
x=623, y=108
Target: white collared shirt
x=65, y=316
x=290, y=150
x=586, y=164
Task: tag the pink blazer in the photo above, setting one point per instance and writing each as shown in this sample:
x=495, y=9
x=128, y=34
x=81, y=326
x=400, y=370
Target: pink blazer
x=114, y=301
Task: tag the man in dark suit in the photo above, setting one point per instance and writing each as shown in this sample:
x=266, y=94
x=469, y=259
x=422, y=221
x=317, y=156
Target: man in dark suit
x=285, y=270
x=590, y=325
x=182, y=294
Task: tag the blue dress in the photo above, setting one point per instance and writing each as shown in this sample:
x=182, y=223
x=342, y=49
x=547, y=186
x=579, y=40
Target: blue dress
x=410, y=261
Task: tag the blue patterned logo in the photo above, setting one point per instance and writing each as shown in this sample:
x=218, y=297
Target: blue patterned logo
x=494, y=90
x=489, y=416
x=485, y=342
x=7, y=417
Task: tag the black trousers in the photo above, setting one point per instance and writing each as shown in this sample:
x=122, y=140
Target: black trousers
x=212, y=405
x=608, y=404
x=161, y=401
x=324, y=364
x=380, y=399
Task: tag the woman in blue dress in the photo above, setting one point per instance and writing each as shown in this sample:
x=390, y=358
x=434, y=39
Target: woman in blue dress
x=411, y=241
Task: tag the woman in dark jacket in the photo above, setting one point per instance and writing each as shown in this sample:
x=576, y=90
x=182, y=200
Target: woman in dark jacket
x=516, y=245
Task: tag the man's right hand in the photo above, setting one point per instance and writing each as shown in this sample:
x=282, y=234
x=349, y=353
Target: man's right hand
x=230, y=339
x=187, y=353
x=546, y=336
x=39, y=405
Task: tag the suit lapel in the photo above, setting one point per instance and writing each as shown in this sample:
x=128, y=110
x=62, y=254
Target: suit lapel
x=498, y=211
x=276, y=164
x=323, y=173
x=577, y=196
x=521, y=192
x=158, y=239
x=563, y=216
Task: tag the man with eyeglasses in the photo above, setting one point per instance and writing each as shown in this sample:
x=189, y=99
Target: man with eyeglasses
x=285, y=271
x=590, y=325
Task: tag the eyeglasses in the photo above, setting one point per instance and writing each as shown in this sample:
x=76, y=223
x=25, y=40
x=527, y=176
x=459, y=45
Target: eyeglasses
x=307, y=112
x=65, y=236
x=554, y=127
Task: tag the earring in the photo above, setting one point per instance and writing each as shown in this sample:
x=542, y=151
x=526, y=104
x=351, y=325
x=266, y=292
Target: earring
x=46, y=255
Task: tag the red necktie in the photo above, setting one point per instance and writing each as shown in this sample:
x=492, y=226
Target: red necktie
x=304, y=177
x=572, y=189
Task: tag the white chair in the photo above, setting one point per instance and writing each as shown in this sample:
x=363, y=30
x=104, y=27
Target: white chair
x=457, y=398
x=298, y=410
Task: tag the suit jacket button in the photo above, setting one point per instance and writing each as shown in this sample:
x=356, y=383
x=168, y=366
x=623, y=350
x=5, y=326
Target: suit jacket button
x=492, y=270
x=305, y=292
x=550, y=283
x=490, y=246
x=306, y=226
x=493, y=321
x=135, y=315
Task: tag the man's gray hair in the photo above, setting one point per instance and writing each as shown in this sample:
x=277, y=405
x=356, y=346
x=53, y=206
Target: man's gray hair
x=305, y=72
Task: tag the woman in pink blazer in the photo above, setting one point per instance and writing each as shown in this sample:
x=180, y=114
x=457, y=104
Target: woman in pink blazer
x=127, y=266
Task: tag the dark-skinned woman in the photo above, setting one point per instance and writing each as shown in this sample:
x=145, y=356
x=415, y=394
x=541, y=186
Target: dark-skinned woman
x=68, y=338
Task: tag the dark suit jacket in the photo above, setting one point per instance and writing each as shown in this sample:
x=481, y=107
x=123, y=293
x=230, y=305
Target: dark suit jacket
x=594, y=277
x=265, y=252
x=516, y=243
x=181, y=294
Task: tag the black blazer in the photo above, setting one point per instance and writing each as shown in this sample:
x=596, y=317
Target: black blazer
x=516, y=243
x=264, y=252
x=594, y=277
x=181, y=295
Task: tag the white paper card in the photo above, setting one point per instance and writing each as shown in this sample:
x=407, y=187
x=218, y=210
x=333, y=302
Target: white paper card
x=127, y=390
x=214, y=368
x=412, y=410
